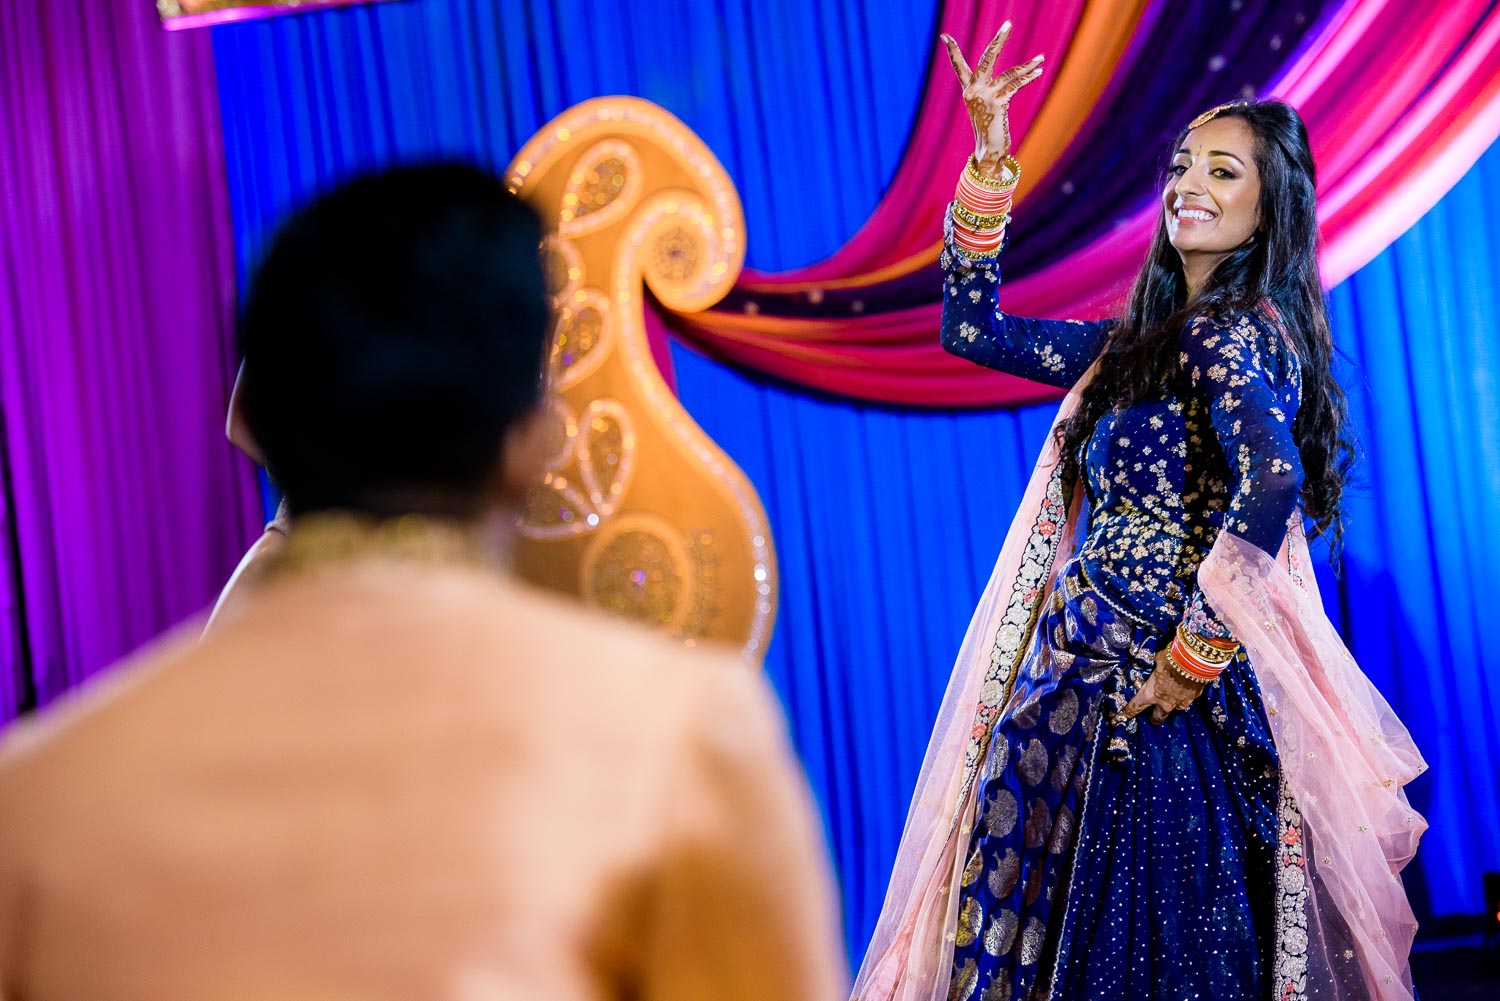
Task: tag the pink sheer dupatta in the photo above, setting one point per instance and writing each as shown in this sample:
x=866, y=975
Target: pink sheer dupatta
x=911, y=951
x=1344, y=927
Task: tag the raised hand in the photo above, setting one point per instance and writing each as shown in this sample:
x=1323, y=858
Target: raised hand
x=988, y=97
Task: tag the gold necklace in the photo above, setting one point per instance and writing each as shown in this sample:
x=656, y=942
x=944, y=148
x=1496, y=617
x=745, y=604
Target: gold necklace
x=320, y=540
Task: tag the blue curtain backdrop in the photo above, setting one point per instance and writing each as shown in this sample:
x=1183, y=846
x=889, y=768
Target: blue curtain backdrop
x=807, y=105
x=887, y=521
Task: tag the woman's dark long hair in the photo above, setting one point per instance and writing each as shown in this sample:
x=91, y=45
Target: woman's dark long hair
x=1279, y=266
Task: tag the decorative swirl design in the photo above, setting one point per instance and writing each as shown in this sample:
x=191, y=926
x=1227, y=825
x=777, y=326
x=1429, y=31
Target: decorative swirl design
x=604, y=185
x=641, y=512
x=582, y=336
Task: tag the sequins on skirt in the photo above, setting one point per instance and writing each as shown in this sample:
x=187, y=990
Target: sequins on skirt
x=1118, y=859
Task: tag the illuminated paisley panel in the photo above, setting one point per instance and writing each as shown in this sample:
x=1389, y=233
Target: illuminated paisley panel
x=582, y=335
x=590, y=466
x=606, y=454
x=604, y=184
x=643, y=514
x=639, y=567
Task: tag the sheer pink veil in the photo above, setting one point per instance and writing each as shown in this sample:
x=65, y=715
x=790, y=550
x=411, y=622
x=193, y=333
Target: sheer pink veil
x=1344, y=928
x=1347, y=827
x=912, y=949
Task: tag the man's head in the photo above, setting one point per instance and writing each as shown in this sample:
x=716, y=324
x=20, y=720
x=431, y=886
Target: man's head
x=394, y=340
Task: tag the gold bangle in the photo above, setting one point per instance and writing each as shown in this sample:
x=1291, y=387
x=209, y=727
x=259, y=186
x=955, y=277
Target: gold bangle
x=1014, y=165
x=976, y=256
x=1214, y=656
x=980, y=222
x=1210, y=652
x=1182, y=672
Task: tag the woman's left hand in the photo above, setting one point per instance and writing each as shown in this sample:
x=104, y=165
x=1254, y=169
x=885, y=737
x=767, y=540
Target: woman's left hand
x=988, y=98
x=1164, y=692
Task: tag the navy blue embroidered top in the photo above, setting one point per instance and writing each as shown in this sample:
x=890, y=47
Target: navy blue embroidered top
x=1166, y=475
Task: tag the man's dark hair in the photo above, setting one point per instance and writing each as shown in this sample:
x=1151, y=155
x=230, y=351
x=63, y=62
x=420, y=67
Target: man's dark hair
x=392, y=335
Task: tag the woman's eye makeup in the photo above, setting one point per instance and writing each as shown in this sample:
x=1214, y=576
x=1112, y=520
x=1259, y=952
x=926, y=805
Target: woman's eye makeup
x=1223, y=173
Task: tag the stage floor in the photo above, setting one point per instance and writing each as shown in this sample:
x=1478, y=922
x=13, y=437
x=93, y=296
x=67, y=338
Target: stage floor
x=1456, y=970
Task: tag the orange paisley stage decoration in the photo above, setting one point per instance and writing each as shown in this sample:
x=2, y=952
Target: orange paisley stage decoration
x=641, y=513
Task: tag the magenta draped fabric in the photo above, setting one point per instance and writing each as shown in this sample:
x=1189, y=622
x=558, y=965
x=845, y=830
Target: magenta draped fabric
x=900, y=226
x=1399, y=100
x=1399, y=103
x=124, y=508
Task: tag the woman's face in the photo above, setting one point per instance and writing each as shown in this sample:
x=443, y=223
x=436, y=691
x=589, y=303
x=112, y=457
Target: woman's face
x=1212, y=196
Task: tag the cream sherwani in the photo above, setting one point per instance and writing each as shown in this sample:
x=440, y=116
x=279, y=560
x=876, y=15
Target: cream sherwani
x=382, y=779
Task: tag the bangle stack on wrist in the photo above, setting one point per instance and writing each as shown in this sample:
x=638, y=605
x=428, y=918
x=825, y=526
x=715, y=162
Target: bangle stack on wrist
x=981, y=209
x=979, y=223
x=1200, y=659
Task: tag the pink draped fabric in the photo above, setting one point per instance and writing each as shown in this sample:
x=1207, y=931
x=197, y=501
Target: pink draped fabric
x=1345, y=759
x=891, y=356
x=900, y=226
x=1399, y=102
x=910, y=954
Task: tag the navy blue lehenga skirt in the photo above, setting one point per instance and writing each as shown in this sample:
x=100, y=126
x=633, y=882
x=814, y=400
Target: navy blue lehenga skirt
x=1118, y=860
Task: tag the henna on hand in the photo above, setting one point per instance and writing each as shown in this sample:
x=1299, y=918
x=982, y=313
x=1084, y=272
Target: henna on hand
x=988, y=97
x=1163, y=692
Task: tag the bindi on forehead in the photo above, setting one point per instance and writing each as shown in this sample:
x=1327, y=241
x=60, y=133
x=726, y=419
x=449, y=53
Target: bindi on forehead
x=1200, y=151
x=1225, y=137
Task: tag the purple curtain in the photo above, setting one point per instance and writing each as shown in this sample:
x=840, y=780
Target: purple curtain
x=122, y=507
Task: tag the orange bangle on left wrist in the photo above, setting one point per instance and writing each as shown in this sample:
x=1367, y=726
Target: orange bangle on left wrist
x=1191, y=664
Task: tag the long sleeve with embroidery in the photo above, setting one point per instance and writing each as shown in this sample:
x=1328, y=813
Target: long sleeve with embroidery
x=1055, y=352
x=1246, y=378
x=1209, y=452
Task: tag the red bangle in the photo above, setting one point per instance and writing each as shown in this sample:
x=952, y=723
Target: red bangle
x=1191, y=664
x=982, y=202
x=966, y=234
x=973, y=244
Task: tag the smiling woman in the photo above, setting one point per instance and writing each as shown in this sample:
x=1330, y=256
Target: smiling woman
x=1118, y=796
x=1212, y=196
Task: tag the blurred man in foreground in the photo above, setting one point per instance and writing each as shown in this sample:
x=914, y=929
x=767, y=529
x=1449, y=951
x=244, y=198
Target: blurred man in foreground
x=394, y=771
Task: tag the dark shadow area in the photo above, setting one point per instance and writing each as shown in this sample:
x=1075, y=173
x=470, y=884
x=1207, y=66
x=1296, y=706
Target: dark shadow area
x=1456, y=969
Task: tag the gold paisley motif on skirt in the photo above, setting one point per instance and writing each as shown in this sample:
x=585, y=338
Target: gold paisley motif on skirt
x=961, y=988
x=1006, y=873
x=1000, y=813
x=999, y=988
x=1038, y=823
x=1062, y=768
x=1031, y=941
x=1064, y=712
x=1062, y=831
x=1032, y=767
x=1001, y=934
x=974, y=867
x=969, y=920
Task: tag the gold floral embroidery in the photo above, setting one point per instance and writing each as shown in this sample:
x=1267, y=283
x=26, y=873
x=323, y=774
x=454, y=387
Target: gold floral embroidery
x=974, y=867
x=1001, y=934
x=1152, y=522
x=968, y=923
x=961, y=988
